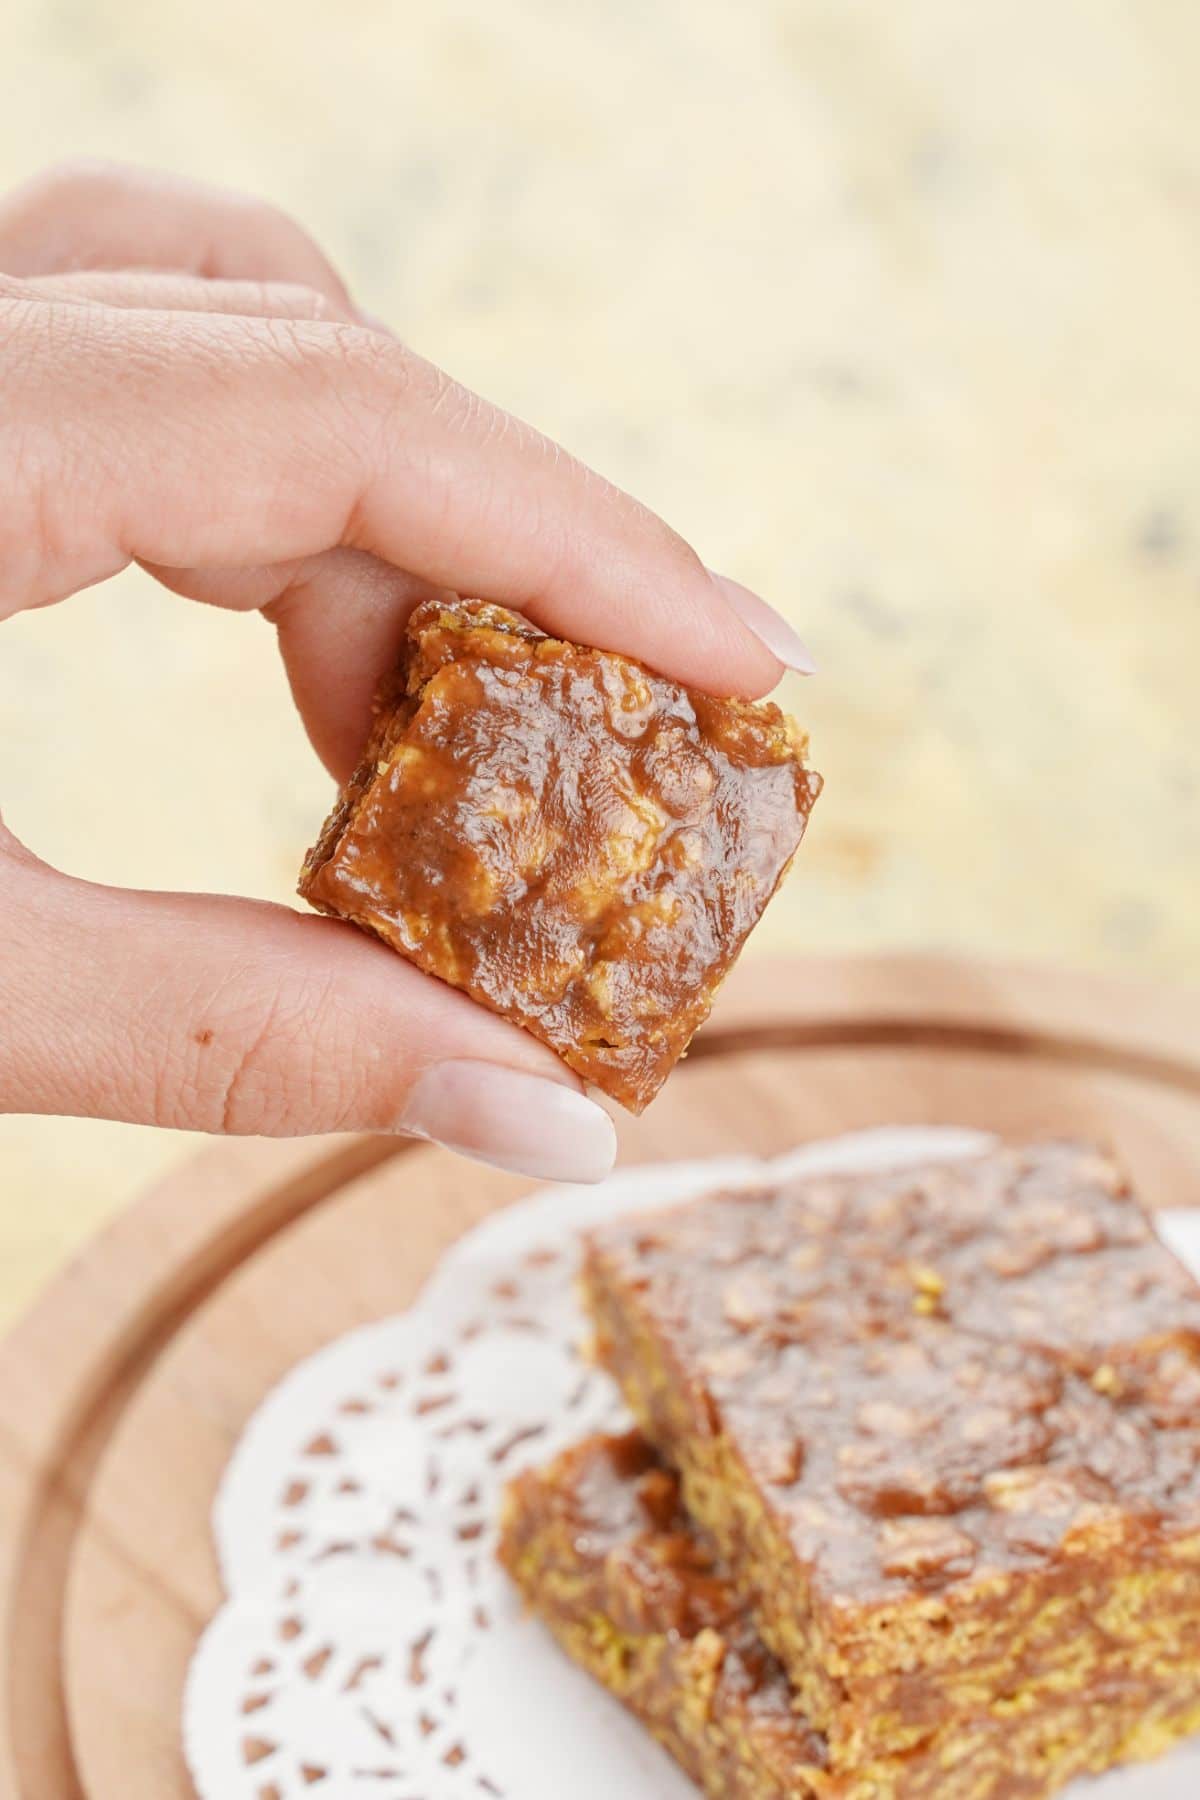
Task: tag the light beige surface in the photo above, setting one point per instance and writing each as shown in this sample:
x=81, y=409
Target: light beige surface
x=892, y=308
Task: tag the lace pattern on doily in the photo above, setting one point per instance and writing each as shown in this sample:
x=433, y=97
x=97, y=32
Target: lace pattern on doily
x=370, y=1648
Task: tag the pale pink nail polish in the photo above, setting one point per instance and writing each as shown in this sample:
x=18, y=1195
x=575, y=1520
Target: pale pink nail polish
x=512, y=1120
x=768, y=626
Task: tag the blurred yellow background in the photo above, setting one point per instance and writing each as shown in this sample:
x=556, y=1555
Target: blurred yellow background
x=891, y=308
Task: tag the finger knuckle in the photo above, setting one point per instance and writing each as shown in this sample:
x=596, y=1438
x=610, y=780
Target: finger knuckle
x=230, y=1076
x=277, y=1064
x=300, y=301
x=360, y=380
x=49, y=544
x=326, y=358
x=25, y=454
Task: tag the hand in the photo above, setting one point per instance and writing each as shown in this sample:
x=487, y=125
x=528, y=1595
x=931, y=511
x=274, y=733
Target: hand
x=187, y=384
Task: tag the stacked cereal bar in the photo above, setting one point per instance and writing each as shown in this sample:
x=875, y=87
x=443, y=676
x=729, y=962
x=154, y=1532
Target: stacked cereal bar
x=935, y=1528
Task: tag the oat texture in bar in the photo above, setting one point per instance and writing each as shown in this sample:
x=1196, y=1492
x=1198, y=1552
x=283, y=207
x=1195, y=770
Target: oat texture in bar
x=943, y=1425
x=577, y=843
x=602, y=1550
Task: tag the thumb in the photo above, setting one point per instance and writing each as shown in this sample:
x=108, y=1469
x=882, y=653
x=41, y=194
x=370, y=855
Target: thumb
x=224, y=1015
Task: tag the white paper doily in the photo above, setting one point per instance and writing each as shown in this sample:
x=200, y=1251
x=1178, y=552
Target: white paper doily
x=370, y=1647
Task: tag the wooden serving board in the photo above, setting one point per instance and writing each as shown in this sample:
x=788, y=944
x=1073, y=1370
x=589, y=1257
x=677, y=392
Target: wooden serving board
x=122, y=1394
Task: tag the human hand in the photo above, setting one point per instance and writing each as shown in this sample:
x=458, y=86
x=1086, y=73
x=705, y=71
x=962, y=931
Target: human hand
x=187, y=384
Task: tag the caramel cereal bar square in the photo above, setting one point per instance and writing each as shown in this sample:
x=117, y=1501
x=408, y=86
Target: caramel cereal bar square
x=942, y=1424
x=579, y=844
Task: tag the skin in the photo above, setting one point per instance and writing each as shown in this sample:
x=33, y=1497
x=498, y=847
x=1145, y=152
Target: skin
x=188, y=385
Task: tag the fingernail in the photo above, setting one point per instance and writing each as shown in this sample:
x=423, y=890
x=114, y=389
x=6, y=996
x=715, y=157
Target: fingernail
x=770, y=627
x=512, y=1120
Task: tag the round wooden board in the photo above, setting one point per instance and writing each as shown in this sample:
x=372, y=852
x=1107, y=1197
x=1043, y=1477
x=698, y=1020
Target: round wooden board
x=124, y=1391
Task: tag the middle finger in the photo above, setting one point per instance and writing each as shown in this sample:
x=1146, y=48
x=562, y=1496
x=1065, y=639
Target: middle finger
x=148, y=291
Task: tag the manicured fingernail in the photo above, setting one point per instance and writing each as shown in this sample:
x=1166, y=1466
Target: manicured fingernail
x=770, y=627
x=515, y=1121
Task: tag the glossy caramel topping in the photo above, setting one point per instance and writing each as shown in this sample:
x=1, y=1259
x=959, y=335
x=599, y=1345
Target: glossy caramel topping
x=580, y=844
x=931, y=1374
x=648, y=1572
x=600, y=1549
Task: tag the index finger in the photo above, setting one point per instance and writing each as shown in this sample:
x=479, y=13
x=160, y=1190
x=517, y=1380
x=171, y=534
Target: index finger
x=105, y=215
x=217, y=442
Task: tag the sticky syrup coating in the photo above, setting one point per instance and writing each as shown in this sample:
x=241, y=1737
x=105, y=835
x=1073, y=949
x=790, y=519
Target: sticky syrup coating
x=579, y=844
